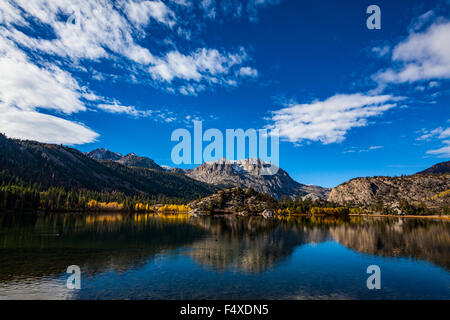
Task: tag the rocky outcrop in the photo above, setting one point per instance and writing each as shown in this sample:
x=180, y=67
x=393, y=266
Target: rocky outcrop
x=104, y=154
x=248, y=174
x=267, y=214
x=235, y=201
x=393, y=192
x=132, y=160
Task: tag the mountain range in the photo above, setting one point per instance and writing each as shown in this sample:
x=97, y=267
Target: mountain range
x=224, y=174
x=104, y=170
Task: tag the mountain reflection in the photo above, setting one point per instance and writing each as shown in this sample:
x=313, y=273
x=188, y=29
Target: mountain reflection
x=43, y=245
x=250, y=245
x=255, y=245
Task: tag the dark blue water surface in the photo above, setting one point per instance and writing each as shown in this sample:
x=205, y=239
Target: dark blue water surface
x=126, y=256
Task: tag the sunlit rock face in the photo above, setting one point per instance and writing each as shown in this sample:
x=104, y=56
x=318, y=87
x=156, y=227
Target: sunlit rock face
x=247, y=174
x=133, y=160
x=415, y=189
x=104, y=154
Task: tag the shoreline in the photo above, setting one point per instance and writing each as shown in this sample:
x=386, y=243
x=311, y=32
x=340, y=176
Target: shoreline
x=439, y=217
x=443, y=217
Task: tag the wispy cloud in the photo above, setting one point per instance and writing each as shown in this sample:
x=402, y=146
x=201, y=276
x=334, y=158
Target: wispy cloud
x=98, y=29
x=129, y=110
x=381, y=51
x=26, y=87
x=248, y=9
x=37, y=69
x=38, y=126
x=140, y=13
x=202, y=64
x=440, y=134
x=82, y=30
x=328, y=121
x=422, y=56
x=360, y=150
x=254, y=6
x=443, y=152
x=248, y=72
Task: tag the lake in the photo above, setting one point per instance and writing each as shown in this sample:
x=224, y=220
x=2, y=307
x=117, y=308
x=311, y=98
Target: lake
x=145, y=256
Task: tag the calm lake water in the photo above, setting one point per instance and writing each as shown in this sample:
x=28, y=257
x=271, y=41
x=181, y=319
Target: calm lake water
x=180, y=257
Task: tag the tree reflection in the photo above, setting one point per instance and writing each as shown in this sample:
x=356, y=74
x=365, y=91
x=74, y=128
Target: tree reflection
x=43, y=245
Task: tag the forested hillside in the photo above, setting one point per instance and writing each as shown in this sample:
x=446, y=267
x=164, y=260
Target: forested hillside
x=31, y=167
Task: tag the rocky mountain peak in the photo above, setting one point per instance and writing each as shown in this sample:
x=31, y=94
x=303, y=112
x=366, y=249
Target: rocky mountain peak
x=104, y=154
x=133, y=160
x=246, y=173
x=130, y=155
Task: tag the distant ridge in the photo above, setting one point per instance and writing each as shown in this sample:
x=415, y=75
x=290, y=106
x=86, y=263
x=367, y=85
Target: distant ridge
x=130, y=160
x=443, y=167
x=428, y=188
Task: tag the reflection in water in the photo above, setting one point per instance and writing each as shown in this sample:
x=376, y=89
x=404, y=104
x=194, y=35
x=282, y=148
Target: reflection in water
x=36, y=249
x=251, y=244
x=47, y=244
x=417, y=239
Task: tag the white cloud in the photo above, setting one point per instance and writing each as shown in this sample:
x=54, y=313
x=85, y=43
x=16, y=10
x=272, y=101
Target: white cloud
x=27, y=86
x=203, y=64
x=129, y=110
x=184, y=3
x=328, y=121
x=443, y=152
x=362, y=150
x=32, y=125
x=191, y=89
x=115, y=107
x=209, y=7
x=381, y=51
x=141, y=12
x=10, y=14
x=93, y=26
x=422, y=56
x=422, y=20
x=215, y=9
x=433, y=84
x=24, y=87
x=32, y=76
x=100, y=29
x=248, y=72
x=439, y=133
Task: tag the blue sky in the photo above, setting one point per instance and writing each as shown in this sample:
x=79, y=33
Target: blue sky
x=123, y=75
